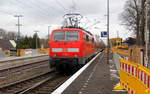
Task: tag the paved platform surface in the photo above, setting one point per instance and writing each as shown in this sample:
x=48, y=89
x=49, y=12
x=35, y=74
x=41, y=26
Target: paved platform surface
x=98, y=78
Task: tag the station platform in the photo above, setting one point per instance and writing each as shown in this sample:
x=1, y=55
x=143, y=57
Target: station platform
x=99, y=78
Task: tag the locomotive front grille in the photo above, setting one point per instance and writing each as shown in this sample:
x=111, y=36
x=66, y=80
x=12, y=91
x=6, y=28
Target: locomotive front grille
x=65, y=49
x=57, y=49
x=73, y=49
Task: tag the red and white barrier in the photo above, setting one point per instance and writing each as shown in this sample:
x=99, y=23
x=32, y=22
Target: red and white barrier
x=28, y=52
x=130, y=91
x=141, y=74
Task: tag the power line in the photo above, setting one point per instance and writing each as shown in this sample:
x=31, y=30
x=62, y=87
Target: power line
x=28, y=5
x=73, y=5
x=52, y=8
x=43, y=12
x=41, y=8
x=24, y=5
x=60, y=4
x=5, y=12
x=93, y=24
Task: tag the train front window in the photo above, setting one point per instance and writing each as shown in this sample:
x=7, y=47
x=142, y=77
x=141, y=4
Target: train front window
x=59, y=36
x=71, y=36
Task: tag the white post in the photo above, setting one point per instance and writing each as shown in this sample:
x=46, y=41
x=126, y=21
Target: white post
x=108, y=32
x=146, y=35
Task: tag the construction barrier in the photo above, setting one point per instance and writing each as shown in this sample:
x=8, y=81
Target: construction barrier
x=27, y=51
x=7, y=53
x=134, y=77
x=20, y=52
x=120, y=51
x=23, y=52
x=44, y=50
x=134, y=54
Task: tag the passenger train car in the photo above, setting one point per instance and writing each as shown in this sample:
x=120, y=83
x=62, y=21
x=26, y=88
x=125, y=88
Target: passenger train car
x=71, y=47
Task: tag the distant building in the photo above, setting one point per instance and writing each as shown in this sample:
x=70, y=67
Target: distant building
x=7, y=44
x=115, y=42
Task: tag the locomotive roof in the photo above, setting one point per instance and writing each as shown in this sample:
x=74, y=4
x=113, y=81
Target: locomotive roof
x=79, y=28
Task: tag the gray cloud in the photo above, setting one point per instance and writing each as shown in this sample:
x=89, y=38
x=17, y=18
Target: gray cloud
x=39, y=13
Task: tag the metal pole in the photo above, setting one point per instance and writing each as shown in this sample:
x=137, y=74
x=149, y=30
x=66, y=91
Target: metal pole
x=48, y=31
x=18, y=16
x=18, y=27
x=146, y=34
x=107, y=31
x=36, y=39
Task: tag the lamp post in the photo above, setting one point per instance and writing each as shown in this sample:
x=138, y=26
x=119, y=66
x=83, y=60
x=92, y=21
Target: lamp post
x=36, y=38
x=146, y=34
x=107, y=31
x=48, y=31
x=18, y=16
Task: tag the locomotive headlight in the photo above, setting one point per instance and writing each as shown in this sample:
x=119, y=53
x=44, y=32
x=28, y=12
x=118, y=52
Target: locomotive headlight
x=73, y=49
x=76, y=55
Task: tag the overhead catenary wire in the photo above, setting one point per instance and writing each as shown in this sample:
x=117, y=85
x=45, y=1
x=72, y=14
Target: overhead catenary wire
x=33, y=5
x=47, y=11
x=42, y=12
x=60, y=5
x=93, y=24
x=74, y=5
x=5, y=12
x=52, y=8
x=25, y=5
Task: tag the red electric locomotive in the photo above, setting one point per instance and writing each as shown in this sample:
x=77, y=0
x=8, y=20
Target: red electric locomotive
x=71, y=46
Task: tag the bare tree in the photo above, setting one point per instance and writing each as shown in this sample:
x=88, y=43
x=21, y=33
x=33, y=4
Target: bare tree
x=133, y=18
x=7, y=35
x=142, y=23
x=2, y=33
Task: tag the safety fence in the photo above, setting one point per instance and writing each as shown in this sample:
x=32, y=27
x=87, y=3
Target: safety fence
x=134, y=77
x=44, y=50
x=23, y=52
x=134, y=54
x=120, y=51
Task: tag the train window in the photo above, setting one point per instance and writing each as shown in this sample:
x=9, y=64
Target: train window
x=87, y=38
x=93, y=40
x=90, y=38
x=72, y=36
x=59, y=36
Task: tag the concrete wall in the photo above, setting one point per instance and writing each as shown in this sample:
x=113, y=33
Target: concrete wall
x=34, y=51
x=116, y=59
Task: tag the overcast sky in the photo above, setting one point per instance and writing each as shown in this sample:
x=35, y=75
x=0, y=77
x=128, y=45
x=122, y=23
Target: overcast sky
x=39, y=14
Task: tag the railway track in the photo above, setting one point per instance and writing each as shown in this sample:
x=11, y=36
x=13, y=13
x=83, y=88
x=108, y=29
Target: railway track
x=15, y=71
x=43, y=84
x=20, y=73
x=25, y=75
